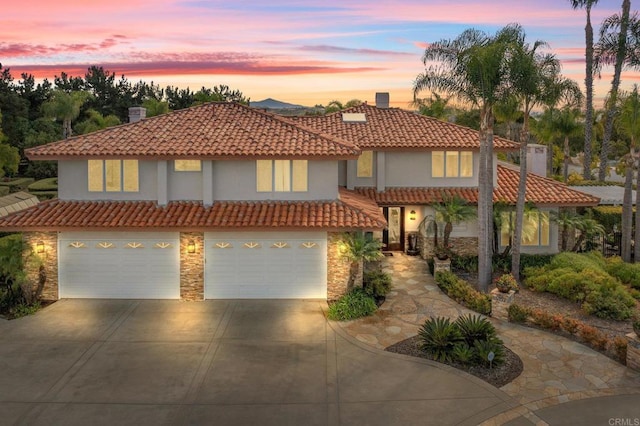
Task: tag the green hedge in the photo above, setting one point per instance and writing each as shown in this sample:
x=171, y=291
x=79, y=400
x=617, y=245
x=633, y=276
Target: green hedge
x=16, y=184
x=49, y=184
x=500, y=263
x=462, y=292
x=355, y=304
x=4, y=190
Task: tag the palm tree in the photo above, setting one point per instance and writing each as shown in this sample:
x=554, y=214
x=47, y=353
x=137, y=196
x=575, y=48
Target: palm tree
x=567, y=125
x=612, y=48
x=357, y=250
x=588, y=227
x=567, y=219
x=435, y=106
x=508, y=111
x=472, y=68
x=629, y=124
x=66, y=107
x=588, y=80
x=450, y=211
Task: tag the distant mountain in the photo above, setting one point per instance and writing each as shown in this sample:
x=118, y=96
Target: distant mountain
x=274, y=104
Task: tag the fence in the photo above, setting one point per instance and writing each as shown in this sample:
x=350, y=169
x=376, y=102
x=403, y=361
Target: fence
x=609, y=245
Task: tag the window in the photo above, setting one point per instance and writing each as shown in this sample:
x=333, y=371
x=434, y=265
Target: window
x=281, y=175
x=451, y=164
x=187, y=165
x=365, y=164
x=535, y=229
x=113, y=175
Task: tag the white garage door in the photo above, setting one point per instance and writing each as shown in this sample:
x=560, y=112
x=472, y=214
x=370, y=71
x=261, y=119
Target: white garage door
x=267, y=265
x=119, y=265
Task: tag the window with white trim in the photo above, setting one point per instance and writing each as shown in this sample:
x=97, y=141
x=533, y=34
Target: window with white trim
x=451, y=164
x=113, y=176
x=281, y=175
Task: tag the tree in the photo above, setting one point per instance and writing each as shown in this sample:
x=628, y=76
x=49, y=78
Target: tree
x=358, y=249
x=9, y=156
x=612, y=48
x=435, y=106
x=508, y=111
x=66, y=107
x=629, y=124
x=96, y=121
x=588, y=81
x=588, y=227
x=155, y=107
x=472, y=68
x=452, y=210
x=567, y=219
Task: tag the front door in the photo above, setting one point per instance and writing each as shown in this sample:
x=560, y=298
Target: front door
x=393, y=236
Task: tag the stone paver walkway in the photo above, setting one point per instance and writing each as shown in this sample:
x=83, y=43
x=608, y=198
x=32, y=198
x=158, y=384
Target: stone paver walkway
x=556, y=370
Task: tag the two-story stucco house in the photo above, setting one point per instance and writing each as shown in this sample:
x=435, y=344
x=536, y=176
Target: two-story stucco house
x=224, y=201
x=215, y=201
x=410, y=161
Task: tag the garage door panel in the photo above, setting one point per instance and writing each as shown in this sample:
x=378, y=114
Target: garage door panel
x=279, y=266
x=143, y=271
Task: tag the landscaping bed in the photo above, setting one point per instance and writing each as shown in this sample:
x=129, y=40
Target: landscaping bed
x=496, y=376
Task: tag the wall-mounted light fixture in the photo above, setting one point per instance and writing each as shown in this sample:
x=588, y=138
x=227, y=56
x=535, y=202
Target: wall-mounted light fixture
x=40, y=247
x=191, y=247
x=412, y=215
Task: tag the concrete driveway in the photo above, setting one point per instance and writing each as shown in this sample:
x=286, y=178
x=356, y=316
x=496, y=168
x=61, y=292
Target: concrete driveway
x=219, y=362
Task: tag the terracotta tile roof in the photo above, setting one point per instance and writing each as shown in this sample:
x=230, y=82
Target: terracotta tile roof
x=540, y=191
x=215, y=130
x=394, y=128
x=351, y=211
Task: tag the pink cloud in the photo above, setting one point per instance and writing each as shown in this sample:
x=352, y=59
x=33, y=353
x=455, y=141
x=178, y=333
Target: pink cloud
x=15, y=50
x=338, y=49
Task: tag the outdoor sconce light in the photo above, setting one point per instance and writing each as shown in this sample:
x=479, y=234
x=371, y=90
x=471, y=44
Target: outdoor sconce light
x=40, y=247
x=191, y=247
x=412, y=215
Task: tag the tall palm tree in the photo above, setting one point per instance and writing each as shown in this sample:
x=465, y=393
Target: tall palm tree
x=532, y=75
x=567, y=219
x=472, y=68
x=66, y=107
x=629, y=124
x=508, y=111
x=588, y=80
x=612, y=48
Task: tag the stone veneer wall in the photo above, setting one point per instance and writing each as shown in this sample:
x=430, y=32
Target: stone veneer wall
x=49, y=259
x=337, y=268
x=192, y=267
x=463, y=246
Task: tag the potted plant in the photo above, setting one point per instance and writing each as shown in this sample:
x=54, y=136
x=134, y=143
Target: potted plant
x=506, y=283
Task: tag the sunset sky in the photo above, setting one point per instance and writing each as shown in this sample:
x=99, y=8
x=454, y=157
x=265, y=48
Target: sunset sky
x=303, y=52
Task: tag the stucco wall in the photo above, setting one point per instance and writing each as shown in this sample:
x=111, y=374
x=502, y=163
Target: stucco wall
x=413, y=169
x=73, y=182
x=183, y=185
x=236, y=180
x=49, y=259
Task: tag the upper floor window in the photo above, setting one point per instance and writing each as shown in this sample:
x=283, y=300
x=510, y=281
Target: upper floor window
x=281, y=175
x=113, y=175
x=452, y=164
x=535, y=229
x=365, y=164
x=187, y=165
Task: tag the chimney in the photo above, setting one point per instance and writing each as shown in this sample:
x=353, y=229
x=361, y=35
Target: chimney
x=382, y=100
x=537, y=159
x=137, y=114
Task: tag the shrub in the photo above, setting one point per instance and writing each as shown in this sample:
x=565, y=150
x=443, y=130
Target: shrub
x=438, y=337
x=609, y=301
x=546, y=320
x=355, y=304
x=17, y=184
x=619, y=347
x=462, y=353
x=23, y=309
x=462, y=292
x=475, y=327
x=593, y=336
x=578, y=261
x=377, y=283
x=576, y=285
x=517, y=313
x=571, y=325
x=49, y=184
x=534, y=260
x=465, y=263
x=628, y=273
x=482, y=349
